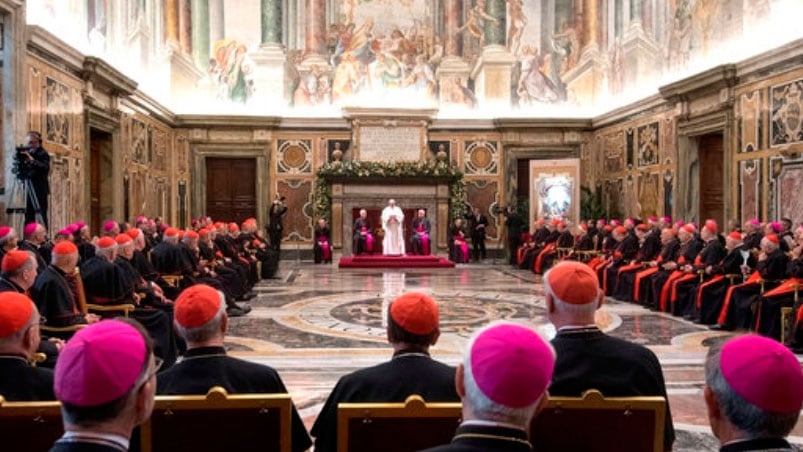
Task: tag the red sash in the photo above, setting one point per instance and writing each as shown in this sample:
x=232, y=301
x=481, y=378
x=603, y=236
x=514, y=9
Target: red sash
x=639, y=276
x=788, y=286
x=538, y=260
x=687, y=277
x=369, y=240
x=723, y=314
x=701, y=287
x=667, y=286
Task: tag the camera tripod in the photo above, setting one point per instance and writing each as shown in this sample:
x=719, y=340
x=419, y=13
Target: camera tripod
x=21, y=196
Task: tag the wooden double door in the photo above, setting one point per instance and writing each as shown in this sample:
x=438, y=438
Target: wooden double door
x=231, y=192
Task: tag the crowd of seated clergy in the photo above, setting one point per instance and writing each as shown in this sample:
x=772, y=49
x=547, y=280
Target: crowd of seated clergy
x=753, y=392
x=741, y=278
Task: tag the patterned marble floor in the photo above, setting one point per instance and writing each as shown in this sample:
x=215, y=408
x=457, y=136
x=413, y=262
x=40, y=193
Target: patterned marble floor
x=317, y=323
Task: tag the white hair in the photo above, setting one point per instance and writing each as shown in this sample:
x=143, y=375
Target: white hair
x=206, y=331
x=575, y=310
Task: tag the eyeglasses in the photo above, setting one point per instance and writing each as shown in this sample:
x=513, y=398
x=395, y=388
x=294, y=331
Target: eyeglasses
x=157, y=364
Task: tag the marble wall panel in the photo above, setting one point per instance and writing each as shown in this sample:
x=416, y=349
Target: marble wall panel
x=613, y=150
x=787, y=113
x=298, y=219
x=484, y=195
x=481, y=158
x=750, y=189
x=789, y=186
x=294, y=156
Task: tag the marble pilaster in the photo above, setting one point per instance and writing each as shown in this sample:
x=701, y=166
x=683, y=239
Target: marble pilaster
x=270, y=59
x=184, y=26
x=171, y=20
x=590, y=25
x=217, y=29
x=200, y=32
x=452, y=12
x=271, y=14
x=315, y=34
x=495, y=29
x=453, y=66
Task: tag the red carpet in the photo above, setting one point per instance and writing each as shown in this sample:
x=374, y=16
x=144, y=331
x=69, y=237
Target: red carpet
x=379, y=261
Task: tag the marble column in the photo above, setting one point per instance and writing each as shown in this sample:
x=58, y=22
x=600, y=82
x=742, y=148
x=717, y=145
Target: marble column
x=270, y=59
x=452, y=13
x=272, y=21
x=495, y=30
x=217, y=27
x=200, y=33
x=453, y=68
x=315, y=36
x=495, y=66
x=171, y=21
x=635, y=11
x=184, y=26
x=590, y=24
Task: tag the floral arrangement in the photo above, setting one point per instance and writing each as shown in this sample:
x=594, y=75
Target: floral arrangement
x=355, y=169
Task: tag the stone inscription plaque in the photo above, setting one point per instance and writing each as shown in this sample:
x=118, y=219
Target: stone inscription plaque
x=389, y=144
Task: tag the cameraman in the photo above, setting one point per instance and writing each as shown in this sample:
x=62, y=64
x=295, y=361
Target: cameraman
x=275, y=214
x=34, y=165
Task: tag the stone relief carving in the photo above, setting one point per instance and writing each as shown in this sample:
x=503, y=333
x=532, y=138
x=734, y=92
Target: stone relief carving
x=58, y=103
x=787, y=114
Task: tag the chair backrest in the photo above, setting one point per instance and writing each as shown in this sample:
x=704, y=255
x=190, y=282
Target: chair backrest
x=396, y=427
x=30, y=426
x=202, y=422
x=593, y=423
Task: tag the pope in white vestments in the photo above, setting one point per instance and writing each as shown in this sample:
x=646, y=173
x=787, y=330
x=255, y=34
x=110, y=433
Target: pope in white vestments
x=393, y=224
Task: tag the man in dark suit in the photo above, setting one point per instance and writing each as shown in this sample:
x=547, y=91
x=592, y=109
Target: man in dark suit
x=503, y=383
x=753, y=394
x=34, y=165
x=587, y=357
x=105, y=380
x=412, y=329
x=19, y=340
x=200, y=318
x=477, y=223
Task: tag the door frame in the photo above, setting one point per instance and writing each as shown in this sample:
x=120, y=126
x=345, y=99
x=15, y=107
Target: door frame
x=200, y=152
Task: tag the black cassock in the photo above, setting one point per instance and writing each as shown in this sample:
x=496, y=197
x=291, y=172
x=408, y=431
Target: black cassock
x=205, y=367
x=416, y=242
x=359, y=246
x=108, y=284
x=54, y=294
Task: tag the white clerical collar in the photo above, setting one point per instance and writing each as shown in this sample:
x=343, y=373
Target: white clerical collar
x=483, y=423
x=577, y=327
x=108, y=439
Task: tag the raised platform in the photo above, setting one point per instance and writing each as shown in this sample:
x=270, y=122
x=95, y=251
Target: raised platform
x=405, y=261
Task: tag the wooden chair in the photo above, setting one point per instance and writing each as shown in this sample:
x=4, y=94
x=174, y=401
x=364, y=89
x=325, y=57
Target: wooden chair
x=173, y=280
x=396, y=427
x=30, y=426
x=203, y=423
x=593, y=423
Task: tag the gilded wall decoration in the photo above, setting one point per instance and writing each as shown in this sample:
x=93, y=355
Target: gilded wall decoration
x=668, y=135
x=298, y=219
x=750, y=189
x=749, y=126
x=613, y=149
x=629, y=148
x=61, y=189
x=159, y=140
x=294, y=156
x=649, y=195
x=787, y=113
x=483, y=194
x=648, y=151
x=481, y=158
x=668, y=181
x=58, y=109
x=631, y=205
x=139, y=141
x=182, y=152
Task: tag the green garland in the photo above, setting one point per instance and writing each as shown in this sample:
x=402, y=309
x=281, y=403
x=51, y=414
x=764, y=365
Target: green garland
x=353, y=169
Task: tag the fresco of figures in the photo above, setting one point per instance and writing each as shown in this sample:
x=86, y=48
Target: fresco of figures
x=418, y=53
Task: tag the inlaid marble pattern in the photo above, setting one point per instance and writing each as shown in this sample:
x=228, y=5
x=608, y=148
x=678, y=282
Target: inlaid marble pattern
x=317, y=323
